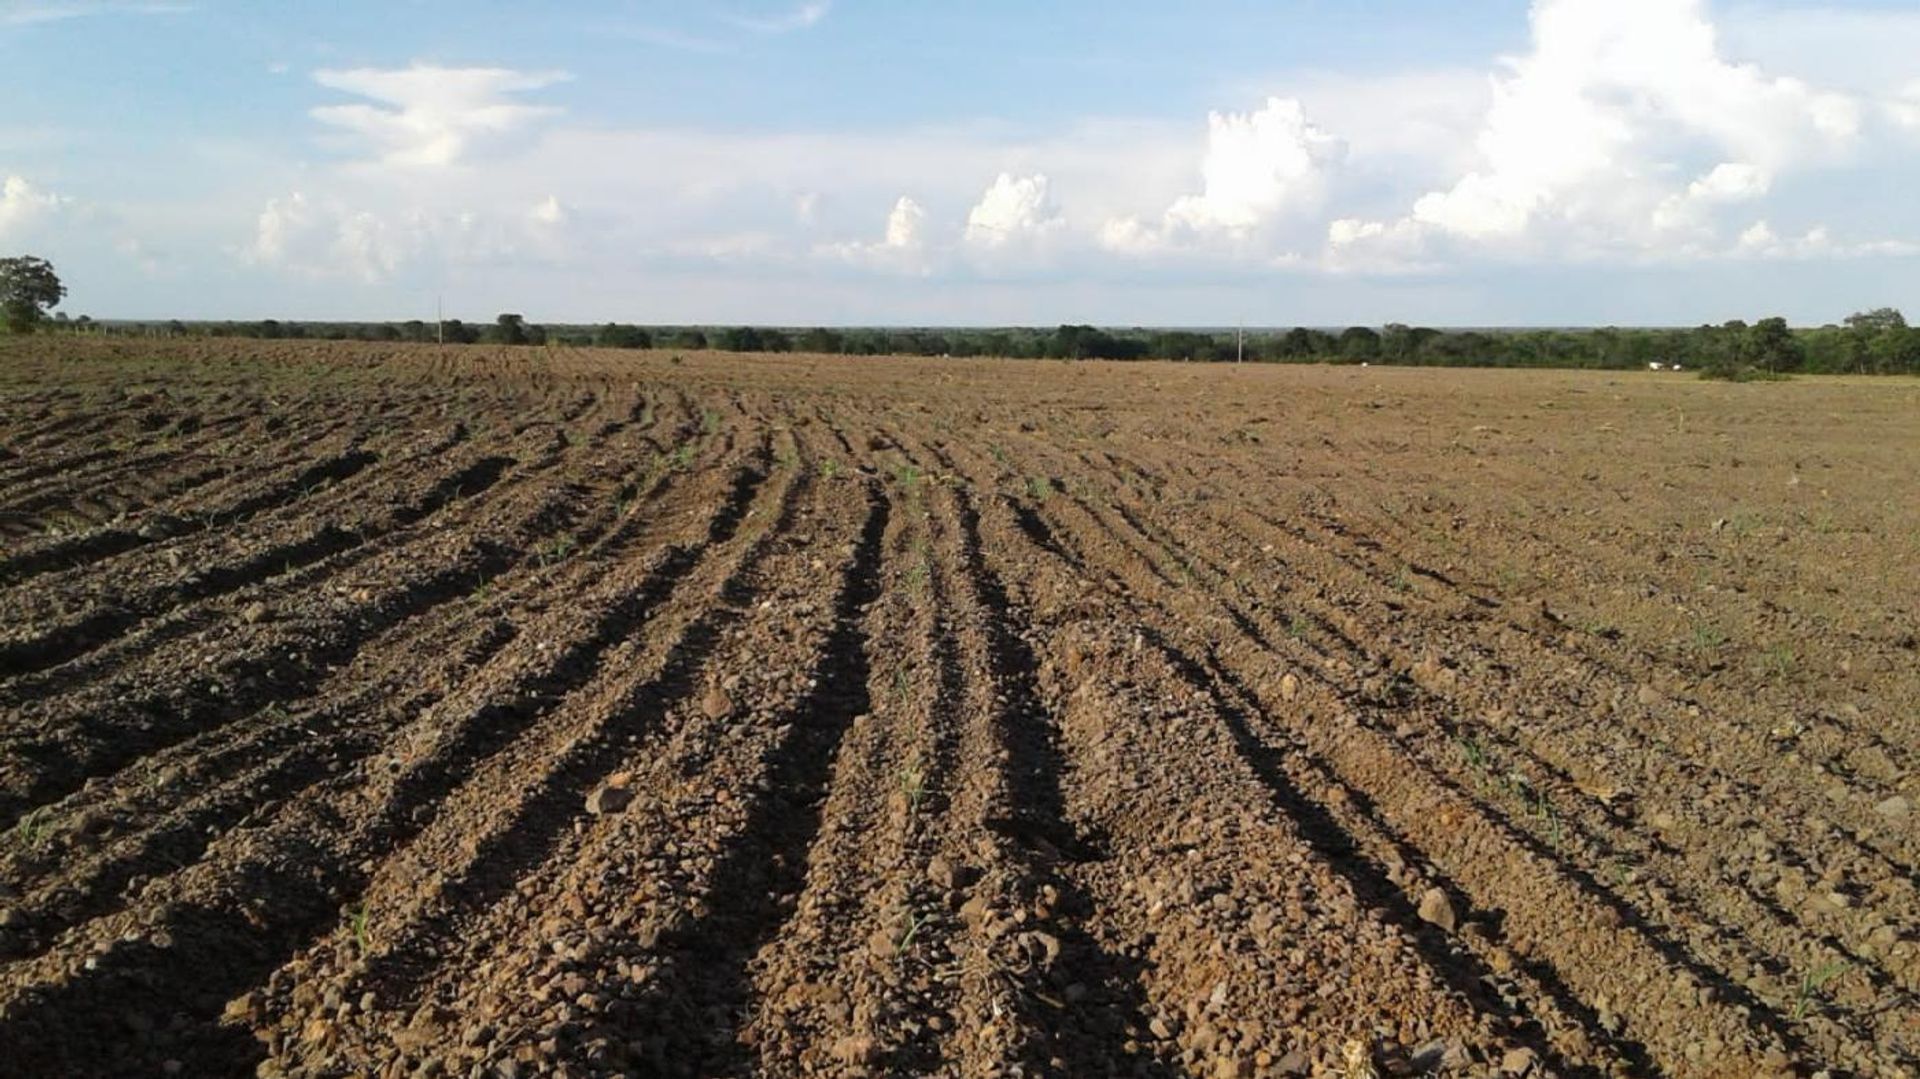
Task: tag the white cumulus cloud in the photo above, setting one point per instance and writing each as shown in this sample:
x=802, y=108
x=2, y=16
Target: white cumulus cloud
x=902, y=248
x=549, y=213
x=1730, y=181
x=1761, y=241
x=1014, y=210
x=1259, y=168
x=1258, y=164
x=426, y=115
x=1905, y=109
x=1586, y=133
x=327, y=237
x=906, y=224
x=22, y=205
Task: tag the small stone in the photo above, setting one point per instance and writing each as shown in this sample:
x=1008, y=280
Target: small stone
x=1295, y=1063
x=317, y=1032
x=1436, y=909
x=1231, y=1067
x=1894, y=808
x=1162, y=1029
x=1289, y=687
x=941, y=875
x=1518, y=1062
x=1043, y=947
x=717, y=705
x=607, y=800
x=241, y=1009
x=856, y=1049
x=254, y=612
x=1428, y=1057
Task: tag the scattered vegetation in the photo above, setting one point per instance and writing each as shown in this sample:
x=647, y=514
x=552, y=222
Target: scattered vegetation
x=907, y=476
x=1812, y=983
x=911, y=922
x=31, y=829
x=1706, y=636
x=913, y=786
x=1779, y=663
x=556, y=550
x=357, y=925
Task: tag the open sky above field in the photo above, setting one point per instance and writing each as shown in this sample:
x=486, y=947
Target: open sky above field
x=853, y=161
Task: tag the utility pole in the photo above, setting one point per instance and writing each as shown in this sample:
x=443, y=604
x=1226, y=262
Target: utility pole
x=1240, y=342
x=439, y=322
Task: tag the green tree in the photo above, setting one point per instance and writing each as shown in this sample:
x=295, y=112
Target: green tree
x=1397, y=342
x=28, y=286
x=1874, y=339
x=1770, y=344
x=1359, y=343
x=510, y=330
x=619, y=335
x=1878, y=320
x=1895, y=351
x=742, y=339
x=1295, y=344
x=1186, y=345
x=821, y=339
x=1091, y=343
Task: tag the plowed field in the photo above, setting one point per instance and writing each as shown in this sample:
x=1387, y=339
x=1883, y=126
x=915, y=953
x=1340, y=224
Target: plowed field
x=371, y=711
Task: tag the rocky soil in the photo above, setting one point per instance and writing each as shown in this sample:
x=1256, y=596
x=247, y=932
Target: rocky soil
x=495, y=713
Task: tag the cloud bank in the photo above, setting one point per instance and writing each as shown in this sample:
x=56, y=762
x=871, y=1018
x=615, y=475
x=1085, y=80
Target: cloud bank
x=1625, y=133
x=1623, y=136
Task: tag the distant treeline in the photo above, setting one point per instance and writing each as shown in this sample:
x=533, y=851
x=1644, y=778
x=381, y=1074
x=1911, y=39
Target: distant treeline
x=1871, y=342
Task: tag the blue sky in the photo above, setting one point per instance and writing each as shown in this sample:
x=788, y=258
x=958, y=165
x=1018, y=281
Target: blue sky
x=859, y=161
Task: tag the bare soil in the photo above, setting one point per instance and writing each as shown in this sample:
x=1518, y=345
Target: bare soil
x=492, y=713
